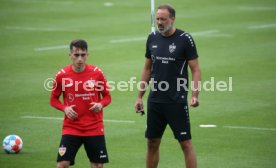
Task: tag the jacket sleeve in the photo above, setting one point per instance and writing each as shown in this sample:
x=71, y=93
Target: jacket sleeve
x=55, y=95
x=106, y=97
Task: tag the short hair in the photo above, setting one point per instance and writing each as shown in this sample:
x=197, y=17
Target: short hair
x=79, y=43
x=169, y=8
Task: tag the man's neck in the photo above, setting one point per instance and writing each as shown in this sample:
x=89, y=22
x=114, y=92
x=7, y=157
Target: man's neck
x=78, y=69
x=169, y=32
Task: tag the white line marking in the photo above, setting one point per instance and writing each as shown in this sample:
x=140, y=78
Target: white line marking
x=37, y=29
x=211, y=33
x=220, y=35
x=262, y=26
x=128, y=40
x=207, y=126
x=250, y=128
x=120, y=121
x=202, y=33
x=59, y=118
x=51, y=48
x=108, y=4
x=256, y=8
x=46, y=118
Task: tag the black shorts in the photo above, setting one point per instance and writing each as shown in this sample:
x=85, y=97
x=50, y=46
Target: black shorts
x=174, y=114
x=94, y=146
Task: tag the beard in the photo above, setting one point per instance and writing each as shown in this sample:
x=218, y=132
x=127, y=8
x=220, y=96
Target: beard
x=165, y=29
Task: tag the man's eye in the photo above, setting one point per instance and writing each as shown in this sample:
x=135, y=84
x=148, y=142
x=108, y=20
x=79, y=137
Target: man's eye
x=77, y=55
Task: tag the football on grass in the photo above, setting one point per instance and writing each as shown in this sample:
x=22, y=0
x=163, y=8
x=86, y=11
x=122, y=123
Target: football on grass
x=12, y=144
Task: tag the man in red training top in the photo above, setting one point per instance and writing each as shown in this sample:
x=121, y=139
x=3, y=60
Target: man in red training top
x=85, y=93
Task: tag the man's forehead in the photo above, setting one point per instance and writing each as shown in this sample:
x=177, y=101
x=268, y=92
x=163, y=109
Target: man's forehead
x=78, y=50
x=163, y=11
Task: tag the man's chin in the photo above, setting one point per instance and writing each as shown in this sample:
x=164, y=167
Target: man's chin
x=79, y=66
x=162, y=30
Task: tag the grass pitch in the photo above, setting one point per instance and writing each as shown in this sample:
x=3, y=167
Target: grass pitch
x=234, y=39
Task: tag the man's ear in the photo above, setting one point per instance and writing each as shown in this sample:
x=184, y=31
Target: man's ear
x=173, y=19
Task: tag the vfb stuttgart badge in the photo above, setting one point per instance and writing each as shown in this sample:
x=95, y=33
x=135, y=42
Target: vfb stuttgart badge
x=62, y=150
x=91, y=83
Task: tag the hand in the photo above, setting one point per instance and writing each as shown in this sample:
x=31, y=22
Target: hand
x=70, y=112
x=96, y=107
x=139, y=108
x=194, y=102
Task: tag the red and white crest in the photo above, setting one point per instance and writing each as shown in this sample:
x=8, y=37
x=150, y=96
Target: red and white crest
x=62, y=150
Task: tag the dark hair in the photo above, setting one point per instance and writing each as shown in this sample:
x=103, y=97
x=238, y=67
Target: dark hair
x=79, y=43
x=169, y=8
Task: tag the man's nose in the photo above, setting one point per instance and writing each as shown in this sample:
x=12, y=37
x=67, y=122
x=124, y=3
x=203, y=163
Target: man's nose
x=79, y=58
x=159, y=21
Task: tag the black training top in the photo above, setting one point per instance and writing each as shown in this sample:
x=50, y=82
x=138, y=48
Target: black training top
x=169, y=74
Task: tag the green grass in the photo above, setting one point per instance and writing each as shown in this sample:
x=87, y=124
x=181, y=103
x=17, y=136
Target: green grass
x=235, y=50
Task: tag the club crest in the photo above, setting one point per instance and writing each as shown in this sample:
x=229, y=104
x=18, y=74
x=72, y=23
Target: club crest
x=70, y=97
x=91, y=83
x=62, y=150
x=172, y=48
